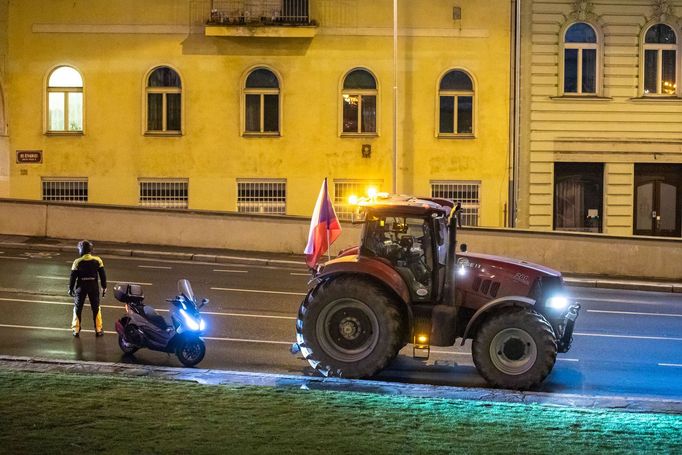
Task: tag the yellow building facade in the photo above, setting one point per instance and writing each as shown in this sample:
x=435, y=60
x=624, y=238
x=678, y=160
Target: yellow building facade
x=600, y=117
x=247, y=105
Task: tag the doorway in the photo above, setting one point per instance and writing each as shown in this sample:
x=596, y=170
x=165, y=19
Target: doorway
x=657, y=199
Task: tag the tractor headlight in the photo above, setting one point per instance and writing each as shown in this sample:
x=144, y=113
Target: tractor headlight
x=558, y=302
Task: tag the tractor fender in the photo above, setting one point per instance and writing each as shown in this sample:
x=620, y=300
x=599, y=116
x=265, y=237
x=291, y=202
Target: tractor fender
x=373, y=268
x=507, y=301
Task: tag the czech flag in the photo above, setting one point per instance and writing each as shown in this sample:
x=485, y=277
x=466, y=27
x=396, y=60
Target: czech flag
x=324, y=227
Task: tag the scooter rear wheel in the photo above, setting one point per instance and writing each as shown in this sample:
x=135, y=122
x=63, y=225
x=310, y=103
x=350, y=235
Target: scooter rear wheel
x=126, y=347
x=191, y=351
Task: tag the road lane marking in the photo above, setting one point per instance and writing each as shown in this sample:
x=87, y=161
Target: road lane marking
x=58, y=329
x=669, y=365
x=638, y=302
x=13, y=257
x=165, y=310
x=230, y=271
x=300, y=274
x=568, y=360
x=635, y=313
x=155, y=267
x=61, y=278
x=258, y=291
x=634, y=337
x=244, y=340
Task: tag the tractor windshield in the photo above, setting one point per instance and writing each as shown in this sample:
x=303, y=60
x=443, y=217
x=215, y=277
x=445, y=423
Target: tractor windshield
x=406, y=242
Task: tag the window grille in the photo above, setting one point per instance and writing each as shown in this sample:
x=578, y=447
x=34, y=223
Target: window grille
x=65, y=190
x=163, y=193
x=343, y=189
x=466, y=193
x=262, y=196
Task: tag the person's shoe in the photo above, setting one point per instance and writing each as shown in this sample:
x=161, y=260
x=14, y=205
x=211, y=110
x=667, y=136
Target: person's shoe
x=99, y=334
x=75, y=334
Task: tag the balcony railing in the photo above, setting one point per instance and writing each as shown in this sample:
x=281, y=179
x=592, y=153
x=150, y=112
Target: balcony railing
x=260, y=12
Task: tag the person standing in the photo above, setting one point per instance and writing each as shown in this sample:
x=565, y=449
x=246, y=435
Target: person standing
x=83, y=283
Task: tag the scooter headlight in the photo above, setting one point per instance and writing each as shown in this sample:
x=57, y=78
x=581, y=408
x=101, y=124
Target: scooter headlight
x=558, y=303
x=202, y=324
x=192, y=323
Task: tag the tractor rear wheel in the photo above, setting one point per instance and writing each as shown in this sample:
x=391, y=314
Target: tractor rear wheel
x=349, y=327
x=515, y=349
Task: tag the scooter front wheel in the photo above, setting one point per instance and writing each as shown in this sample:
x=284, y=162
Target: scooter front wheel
x=191, y=351
x=127, y=348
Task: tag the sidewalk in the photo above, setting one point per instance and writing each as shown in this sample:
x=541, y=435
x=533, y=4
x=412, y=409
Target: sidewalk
x=277, y=259
x=292, y=382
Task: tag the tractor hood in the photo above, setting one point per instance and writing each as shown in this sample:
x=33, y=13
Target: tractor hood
x=512, y=263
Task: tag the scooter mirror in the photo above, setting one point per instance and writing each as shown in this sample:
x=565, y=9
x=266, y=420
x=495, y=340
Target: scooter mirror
x=203, y=302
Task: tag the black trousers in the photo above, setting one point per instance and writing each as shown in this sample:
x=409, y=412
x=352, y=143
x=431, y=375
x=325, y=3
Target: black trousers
x=91, y=291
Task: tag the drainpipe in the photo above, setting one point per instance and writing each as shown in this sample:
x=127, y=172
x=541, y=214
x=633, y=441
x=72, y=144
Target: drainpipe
x=515, y=112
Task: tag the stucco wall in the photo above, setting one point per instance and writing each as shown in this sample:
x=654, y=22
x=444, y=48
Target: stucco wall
x=115, y=44
x=593, y=254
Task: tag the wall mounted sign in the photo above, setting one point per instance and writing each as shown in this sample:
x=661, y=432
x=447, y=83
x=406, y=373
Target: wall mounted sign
x=29, y=156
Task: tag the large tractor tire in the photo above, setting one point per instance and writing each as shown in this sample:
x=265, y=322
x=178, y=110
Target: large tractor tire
x=515, y=349
x=349, y=327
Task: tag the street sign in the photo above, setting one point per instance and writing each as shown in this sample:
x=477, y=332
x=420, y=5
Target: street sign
x=29, y=156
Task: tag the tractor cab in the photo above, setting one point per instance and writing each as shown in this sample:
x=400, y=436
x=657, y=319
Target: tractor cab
x=411, y=236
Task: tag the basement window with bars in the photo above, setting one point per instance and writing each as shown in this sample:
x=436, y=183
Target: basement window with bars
x=343, y=189
x=466, y=193
x=262, y=196
x=65, y=190
x=164, y=193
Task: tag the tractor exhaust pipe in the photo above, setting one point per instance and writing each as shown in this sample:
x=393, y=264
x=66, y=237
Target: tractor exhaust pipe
x=451, y=265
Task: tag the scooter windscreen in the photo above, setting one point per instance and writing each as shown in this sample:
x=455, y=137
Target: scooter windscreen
x=185, y=289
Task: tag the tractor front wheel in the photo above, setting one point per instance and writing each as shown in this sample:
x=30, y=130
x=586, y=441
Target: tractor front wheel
x=349, y=327
x=515, y=349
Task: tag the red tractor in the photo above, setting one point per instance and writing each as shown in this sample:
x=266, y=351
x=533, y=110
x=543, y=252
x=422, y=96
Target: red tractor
x=405, y=284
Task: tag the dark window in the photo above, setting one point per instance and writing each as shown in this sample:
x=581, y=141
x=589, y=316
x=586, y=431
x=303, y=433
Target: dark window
x=262, y=78
x=580, y=59
x=359, y=79
x=164, y=101
x=660, y=34
x=581, y=33
x=578, y=196
x=571, y=70
x=261, y=102
x=456, y=104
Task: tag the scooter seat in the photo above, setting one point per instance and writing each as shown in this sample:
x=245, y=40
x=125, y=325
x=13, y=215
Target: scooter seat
x=155, y=318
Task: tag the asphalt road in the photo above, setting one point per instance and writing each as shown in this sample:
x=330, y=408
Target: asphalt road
x=627, y=343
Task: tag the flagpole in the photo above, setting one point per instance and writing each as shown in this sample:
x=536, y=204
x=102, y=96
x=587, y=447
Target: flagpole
x=326, y=197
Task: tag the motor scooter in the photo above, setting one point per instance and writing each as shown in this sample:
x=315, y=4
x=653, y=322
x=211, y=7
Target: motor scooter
x=143, y=327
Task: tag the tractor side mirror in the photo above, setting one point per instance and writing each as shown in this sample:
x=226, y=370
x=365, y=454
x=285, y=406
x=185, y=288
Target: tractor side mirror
x=463, y=247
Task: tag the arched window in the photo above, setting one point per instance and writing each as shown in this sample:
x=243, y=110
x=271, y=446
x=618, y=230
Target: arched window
x=65, y=100
x=456, y=104
x=660, y=60
x=164, y=101
x=580, y=59
x=261, y=102
x=359, y=101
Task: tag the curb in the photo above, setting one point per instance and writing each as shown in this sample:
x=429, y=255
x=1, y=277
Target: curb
x=226, y=377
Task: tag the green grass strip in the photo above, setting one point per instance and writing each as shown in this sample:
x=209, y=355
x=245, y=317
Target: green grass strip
x=68, y=413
